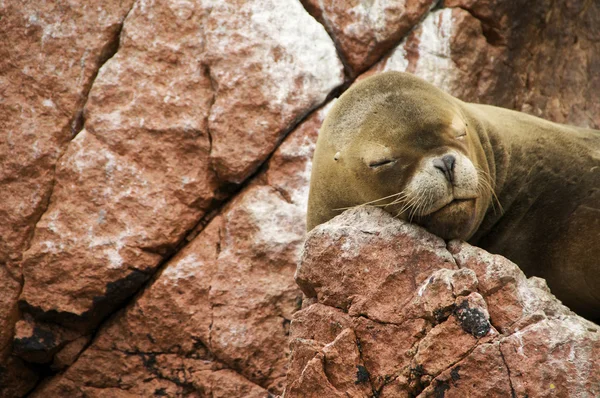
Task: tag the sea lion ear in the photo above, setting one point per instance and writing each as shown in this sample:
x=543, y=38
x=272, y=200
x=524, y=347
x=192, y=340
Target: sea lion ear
x=337, y=155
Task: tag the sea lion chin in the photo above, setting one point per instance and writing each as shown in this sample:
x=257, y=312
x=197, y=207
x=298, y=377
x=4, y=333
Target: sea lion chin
x=453, y=221
x=511, y=183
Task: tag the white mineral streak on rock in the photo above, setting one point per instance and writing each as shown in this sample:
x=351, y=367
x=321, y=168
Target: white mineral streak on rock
x=236, y=336
x=325, y=110
x=279, y=223
x=423, y=287
x=398, y=60
x=434, y=62
x=434, y=48
x=306, y=51
x=184, y=268
x=309, y=49
x=87, y=158
x=371, y=17
x=299, y=194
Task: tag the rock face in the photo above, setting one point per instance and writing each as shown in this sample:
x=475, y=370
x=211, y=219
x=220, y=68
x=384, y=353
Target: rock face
x=364, y=31
x=154, y=164
x=499, y=53
x=216, y=320
x=392, y=311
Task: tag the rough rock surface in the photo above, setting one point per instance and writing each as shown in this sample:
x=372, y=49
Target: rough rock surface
x=222, y=303
x=531, y=58
x=365, y=30
x=126, y=127
x=170, y=119
x=395, y=312
x=49, y=57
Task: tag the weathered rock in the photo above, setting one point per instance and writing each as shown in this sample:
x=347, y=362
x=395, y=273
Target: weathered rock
x=555, y=356
x=197, y=96
x=69, y=353
x=171, y=118
x=482, y=373
x=49, y=56
x=513, y=300
x=444, y=331
x=224, y=302
x=344, y=366
x=16, y=378
x=384, y=285
x=37, y=342
x=271, y=63
x=541, y=59
x=364, y=31
x=133, y=181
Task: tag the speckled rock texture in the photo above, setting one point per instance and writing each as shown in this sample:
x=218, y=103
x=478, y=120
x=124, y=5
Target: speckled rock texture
x=393, y=311
x=154, y=165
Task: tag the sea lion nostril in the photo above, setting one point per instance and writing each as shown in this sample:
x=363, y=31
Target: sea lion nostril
x=446, y=165
x=449, y=161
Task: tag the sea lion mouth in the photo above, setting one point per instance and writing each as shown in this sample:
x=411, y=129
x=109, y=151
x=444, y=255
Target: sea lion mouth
x=454, y=220
x=454, y=205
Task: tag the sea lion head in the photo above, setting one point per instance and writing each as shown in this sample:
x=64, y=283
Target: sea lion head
x=396, y=141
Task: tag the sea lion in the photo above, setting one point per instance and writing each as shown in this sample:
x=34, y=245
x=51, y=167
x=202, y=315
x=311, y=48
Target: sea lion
x=511, y=183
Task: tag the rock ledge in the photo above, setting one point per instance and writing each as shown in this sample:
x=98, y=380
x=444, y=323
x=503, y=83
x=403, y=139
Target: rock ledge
x=393, y=311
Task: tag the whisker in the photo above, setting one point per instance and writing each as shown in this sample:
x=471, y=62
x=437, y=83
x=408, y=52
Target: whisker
x=484, y=185
x=371, y=202
x=408, y=204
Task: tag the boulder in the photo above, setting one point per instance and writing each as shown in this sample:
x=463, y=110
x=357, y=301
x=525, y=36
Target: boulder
x=396, y=312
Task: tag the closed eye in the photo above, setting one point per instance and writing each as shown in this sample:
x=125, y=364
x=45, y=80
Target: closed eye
x=380, y=163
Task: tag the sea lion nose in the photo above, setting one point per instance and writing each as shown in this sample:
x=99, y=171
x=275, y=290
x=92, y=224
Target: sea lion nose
x=446, y=165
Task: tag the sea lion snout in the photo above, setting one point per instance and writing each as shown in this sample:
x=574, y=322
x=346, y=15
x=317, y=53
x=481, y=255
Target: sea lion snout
x=446, y=165
x=444, y=188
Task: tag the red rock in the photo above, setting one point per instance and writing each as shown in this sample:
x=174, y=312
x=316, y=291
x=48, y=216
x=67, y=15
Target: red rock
x=133, y=181
x=384, y=285
x=507, y=54
x=69, y=353
x=16, y=378
x=510, y=296
x=444, y=49
x=558, y=356
x=197, y=96
x=344, y=366
x=37, y=342
x=9, y=292
x=49, y=56
x=313, y=382
x=482, y=373
x=309, y=324
x=445, y=344
x=170, y=119
x=224, y=301
x=436, y=296
x=301, y=352
x=363, y=31
x=337, y=371
x=44, y=88
x=387, y=349
x=270, y=63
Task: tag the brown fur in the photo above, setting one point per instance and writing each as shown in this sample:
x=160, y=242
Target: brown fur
x=546, y=177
